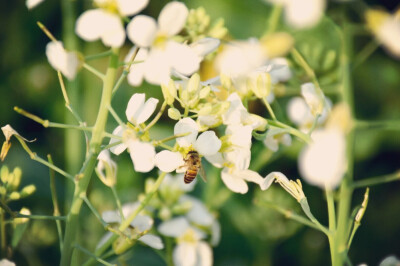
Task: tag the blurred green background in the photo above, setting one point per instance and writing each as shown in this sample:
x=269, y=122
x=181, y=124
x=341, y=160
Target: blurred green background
x=251, y=235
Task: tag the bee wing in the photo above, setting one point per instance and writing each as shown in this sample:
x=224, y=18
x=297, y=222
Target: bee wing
x=202, y=173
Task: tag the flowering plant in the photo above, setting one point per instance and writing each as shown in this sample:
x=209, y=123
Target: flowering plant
x=199, y=102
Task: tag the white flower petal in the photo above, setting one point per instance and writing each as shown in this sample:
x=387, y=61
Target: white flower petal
x=234, y=182
x=104, y=239
x=215, y=233
x=136, y=73
x=204, y=254
x=142, y=155
x=118, y=149
x=186, y=125
x=142, y=30
x=134, y=107
x=142, y=222
x=157, y=67
x=208, y=143
x=236, y=110
x=113, y=34
x=268, y=180
x=172, y=18
x=152, y=241
x=314, y=98
x=60, y=59
x=198, y=213
x=5, y=262
x=168, y=161
x=298, y=111
x=147, y=110
x=216, y=160
x=281, y=72
x=250, y=176
x=32, y=3
x=8, y=132
x=111, y=217
x=184, y=254
x=389, y=34
x=174, y=227
x=304, y=13
x=129, y=7
x=240, y=157
x=205, y=46
x=323, y=162
x=240, y=135
x=182, y=58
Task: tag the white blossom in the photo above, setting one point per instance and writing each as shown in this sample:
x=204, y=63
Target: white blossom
x=102, y=23
x=323, y=162
x=67, y=63
x=276, y=136
x=389, y=34
x=138, y=111
x=106, y=168
x=32, y=3
x=6, y=262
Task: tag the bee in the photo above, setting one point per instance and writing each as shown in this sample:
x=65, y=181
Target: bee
x=193, y=167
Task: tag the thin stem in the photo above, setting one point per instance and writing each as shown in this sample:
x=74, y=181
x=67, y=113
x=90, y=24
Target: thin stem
x=291, y=130
x=157, y=117
x=63, y=90
x=94, y=71
x=41, y=217
x=274, y=19
x=3, y=235
x=383, y=125
x=158, y=142
x=126, y=71
x=366, y=52
x=118, y=202
x=168, y=247
x=289, y=214
x=332, y=222
x=377, y=180
x=35, y=157
x=115, y=115
x=94, y=211
x=306, y=208
x=270, y=111
x=303, y=63
x=97, y=56
x=56, y=211
x=46, y=31
x=87, y=252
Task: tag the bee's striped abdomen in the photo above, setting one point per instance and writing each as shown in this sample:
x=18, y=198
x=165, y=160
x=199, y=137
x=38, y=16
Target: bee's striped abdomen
x=190, y=175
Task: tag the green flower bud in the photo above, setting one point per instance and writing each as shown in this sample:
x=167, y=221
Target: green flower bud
x=169, y=92
x=27, y=191
x=149, y=185
x=3, y=191
x=204, y=92
x=4, y=174
x=194, y=83
x=206, y=109
x=14, y=196
x=16, y=178
x=260, y=84
x=165, y=214
x=182, y=208
x=174, y=113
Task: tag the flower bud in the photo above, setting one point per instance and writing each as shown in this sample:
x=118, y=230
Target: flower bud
x=14, y=196
x=204, y=92
x=24, y=211
x=174, y=114
x=4, y=174
x=169, y=92
x=260, y=84
x=165, y=213
x=27, y=191
x=15, y=178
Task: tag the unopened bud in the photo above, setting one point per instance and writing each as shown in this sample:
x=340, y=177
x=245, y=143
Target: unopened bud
x=169, y=92
x=4, y=174
x=204, y=92
x=363, y=208
x=194, y=83
x=28, y=190
x=165, y=214
x=14, y=196
x=174, y=114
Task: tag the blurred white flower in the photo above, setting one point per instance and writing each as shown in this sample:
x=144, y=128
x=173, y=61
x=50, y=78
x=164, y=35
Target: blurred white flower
x=67, y=63
x=198, y=212
x=276, y=136
x=314, y=98
x=190, y=249
x=323, y=162
x=33, y=3
x=389, y=34
x=165, y=56
x=390, y=261
x=105, y=23
x=176, y=183
x=304, y=13
x=141, y=224
x=106, y=169
x=6, y=262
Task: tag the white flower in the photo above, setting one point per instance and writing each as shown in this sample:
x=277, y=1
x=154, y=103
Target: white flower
x=295, y=189
x=389, y=34
x=6, y=262
x=66, y=62
x=323, y=162
x=176, y=184
x=314, y=98
x=198, y=212
x=168, y=161
x=304, y=13
x=32, y=3
x=191, y=249
x=106, y=25
x=207, y=143
x=165, y=55
x=106, y=169
x=141, y=224
x=142, y=155
x=235, y=180
x=138, y=111
x=276, y=136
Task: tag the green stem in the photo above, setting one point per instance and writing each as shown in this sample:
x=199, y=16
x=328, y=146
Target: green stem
x=291, y=130
x=345, y=188
x=385, y=125
x=306, y=208
x=3, y=235
x=270, y=111
x=99, y=55
x=87, y=252
x=366, y=52
x=94, y=211
x=40, y=217
x=332, y=222
x=125, y=72
x=168, y=247
x=118, y=202
x=157, y=117
x=303, y=63
x=289, y=214
x=94, y=71
x=115, y=115
x=56, y=211
x=87, y=171
x=274, y=19
x=377, y=180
